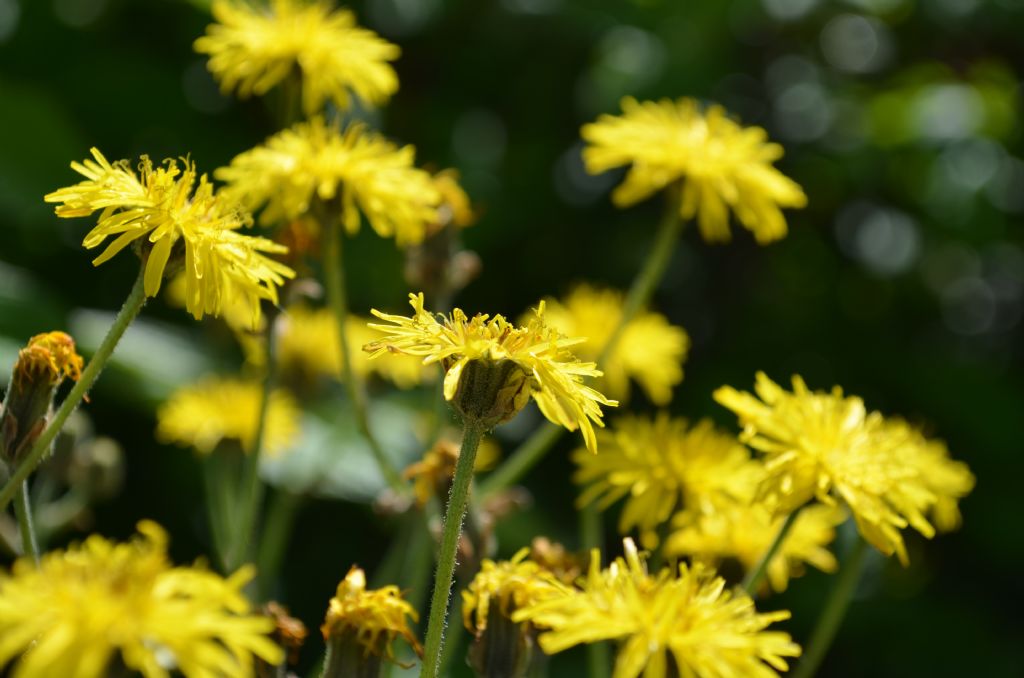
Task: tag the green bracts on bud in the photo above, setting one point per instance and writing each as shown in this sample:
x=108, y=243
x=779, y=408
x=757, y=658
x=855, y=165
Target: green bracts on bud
x=492, y=392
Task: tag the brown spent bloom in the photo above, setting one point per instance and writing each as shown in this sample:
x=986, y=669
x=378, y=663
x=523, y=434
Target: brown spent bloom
x=289, y=632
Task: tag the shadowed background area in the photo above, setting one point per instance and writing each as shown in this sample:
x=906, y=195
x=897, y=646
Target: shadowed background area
x=902, y=281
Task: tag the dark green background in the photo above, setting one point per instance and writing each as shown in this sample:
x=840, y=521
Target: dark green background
x=903, y=280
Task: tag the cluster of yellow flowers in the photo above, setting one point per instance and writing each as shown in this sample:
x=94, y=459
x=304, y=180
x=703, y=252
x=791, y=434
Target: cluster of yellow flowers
x=770, y=498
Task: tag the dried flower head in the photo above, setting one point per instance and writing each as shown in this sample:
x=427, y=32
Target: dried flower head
x=432, y=475
x=252, y=49
x=649, y=350
x=41, y=366
x=164, y=209
x=721, y=165
x=371, y=618
x=316, y=160
x=84, y=608
x=686, y=625
x=512, y=364
x=217, y=408
x=827, y=446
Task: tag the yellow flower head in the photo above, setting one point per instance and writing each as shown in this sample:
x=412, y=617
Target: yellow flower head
x=722, y=166
x=375, y=618
x=817, y=444
x=308, y=343
x=216, y=409
x=509, y=584
x=534, y=361
x=317, y=160
x=73, y=614
x=163, y=206
x=455, y=208
x=745, y=531
x=650, y=349
x=253, y=48
x=688, y=625
x=553, y=557
x=949, y=480
x=661, y=463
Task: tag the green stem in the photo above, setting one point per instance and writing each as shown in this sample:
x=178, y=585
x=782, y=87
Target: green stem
x=132, y=305
x=23, y=512
x=337, y=296
x=754, y=577
x=526, y=456
x=598, y=656
x=252, y=490
x=522, y=460
x=274, y=541
x=834, y=611
x=450, y=533
x=220, y=503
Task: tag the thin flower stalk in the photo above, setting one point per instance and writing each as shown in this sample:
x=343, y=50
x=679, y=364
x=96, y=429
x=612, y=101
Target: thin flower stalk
x=337, y=297
x=450, y=534
x=23, y=513
x=533, y=449
x=835, y=609
x=753, y=579
x=132, y=305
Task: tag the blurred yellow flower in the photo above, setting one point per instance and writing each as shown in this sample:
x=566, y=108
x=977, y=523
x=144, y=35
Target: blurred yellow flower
x=745, y=531
x=163, y=206
x=317, y=160
x=223, y=408
x=308, y=345
x=95, y=604
x=455, y=206
x=432, y=475
x=819, y=444
x=721, y=165
x=508, y=584
x=663, y=463
x=709, y=631
x=650, y=350
x=534, y=361
x=252, y=49
x=375, y=618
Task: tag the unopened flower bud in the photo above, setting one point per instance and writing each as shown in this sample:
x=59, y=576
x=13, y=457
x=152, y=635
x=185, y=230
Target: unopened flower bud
x=41, y=367
x=492, y=391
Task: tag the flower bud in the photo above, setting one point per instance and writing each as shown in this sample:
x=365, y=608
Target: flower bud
x=41, y=367
x=492, y=392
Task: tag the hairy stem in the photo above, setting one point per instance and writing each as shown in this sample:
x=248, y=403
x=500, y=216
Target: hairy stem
x=450, y=533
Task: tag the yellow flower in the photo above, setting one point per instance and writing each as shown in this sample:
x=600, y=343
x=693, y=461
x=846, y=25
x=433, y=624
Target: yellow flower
x=456, y=208
x=308, y=345
x=374, y=617
x=661, y=463
x=252, y=49
x=690, y=621
x=650, y=350
x=509, y=584
x=432, y=475
x=82, y=607
x=535, y=362
x=817, y=444
x=317, y=160
x=216, y=409
x=745, y=531
x=949, y=480
x=163, y=206
x=721, y=165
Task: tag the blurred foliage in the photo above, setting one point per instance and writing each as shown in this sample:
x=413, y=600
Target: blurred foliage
x=903, y=280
